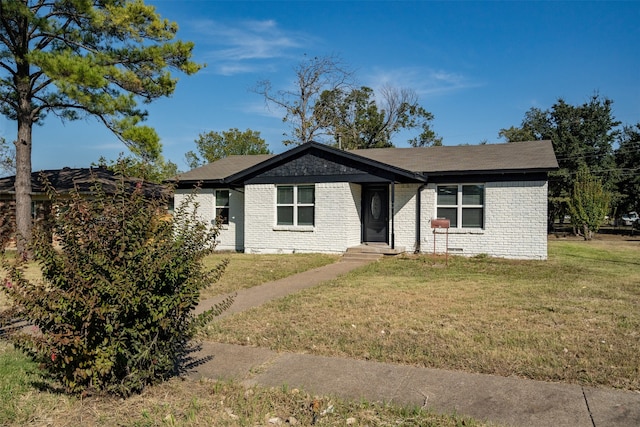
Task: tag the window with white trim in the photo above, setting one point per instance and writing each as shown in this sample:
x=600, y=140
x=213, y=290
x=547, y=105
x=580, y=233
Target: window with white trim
x=461, y=204
x=222, y=206
x=295, y=205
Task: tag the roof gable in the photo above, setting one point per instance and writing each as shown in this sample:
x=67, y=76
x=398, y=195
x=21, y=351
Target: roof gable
x=314, y=162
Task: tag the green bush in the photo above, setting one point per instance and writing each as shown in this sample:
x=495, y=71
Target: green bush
x=114, y=311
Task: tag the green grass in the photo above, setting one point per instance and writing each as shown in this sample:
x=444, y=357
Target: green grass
x=574, y=318
x=18, y=377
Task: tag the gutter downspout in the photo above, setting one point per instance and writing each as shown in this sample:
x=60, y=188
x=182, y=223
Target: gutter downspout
x=418, y=217
x=393, y=214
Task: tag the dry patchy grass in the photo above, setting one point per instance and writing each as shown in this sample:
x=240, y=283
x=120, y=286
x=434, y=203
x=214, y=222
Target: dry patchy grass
x=243, y=270
x=574, y=318
x=248, y=270
x=181, y=402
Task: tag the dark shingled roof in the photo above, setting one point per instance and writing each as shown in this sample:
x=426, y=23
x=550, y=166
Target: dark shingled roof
x=66, y=179
x=510, y=157
x=530, y=156
x=223, y=168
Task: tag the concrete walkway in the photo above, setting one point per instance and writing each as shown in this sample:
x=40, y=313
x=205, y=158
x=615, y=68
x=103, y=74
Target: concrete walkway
x=505, y=401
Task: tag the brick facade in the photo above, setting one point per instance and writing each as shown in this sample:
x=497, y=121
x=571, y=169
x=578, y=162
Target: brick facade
x=336, y=228
x=514, y=227
x=515, y=221
x=231, y=236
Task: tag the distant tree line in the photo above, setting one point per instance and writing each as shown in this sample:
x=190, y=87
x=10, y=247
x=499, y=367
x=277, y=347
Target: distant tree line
x=589, y=143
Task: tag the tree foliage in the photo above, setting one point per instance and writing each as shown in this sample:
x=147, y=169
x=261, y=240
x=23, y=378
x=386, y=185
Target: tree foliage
x=114, y=310
x=212, y=146
x=83, y=58
x=589, y=203
x=312, y=77
x=356, y=120
x=7, y=157
x=582, y=135
x=324, y=104
x=157, y=170
x=628, y=161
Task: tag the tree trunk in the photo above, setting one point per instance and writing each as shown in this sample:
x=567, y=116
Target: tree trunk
x=26, y=118
x=24, y=221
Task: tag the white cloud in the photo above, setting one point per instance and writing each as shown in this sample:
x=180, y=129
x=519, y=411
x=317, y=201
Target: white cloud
x=424, y=81
x=245, y=46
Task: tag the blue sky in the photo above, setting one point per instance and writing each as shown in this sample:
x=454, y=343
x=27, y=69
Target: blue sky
x=477, y=66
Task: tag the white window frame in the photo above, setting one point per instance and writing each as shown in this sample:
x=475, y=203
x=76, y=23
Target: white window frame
x=216, y=206
x=295, y=205
x=459, y=206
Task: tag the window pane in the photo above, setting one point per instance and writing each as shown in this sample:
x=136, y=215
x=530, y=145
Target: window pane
x=223, y=214
x=222, y=198
x=448, y=195
x=472, y=217
x=472, y=194
x=451, y=214
x=285, y=195
x=306, y=194
x=305, y=215
x=285, y=215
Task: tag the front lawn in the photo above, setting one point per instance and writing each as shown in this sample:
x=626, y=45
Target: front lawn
x=574, y=318
x=248, y=270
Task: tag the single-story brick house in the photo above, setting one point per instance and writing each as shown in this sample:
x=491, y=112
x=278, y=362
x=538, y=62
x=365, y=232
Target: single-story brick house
x=316, y=198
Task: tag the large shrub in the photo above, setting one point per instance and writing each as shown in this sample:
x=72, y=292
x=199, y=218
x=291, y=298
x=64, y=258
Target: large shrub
x=114, y=310
x=589, y=203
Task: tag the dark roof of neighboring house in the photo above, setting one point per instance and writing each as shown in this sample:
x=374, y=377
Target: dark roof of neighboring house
x=83, y=179
x=531, y=156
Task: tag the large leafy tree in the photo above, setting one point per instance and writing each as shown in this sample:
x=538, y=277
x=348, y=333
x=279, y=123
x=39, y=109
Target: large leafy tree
x=628, y=161
x=582, y=135
x=83, y=58
x=356, y=120
x=212, y=146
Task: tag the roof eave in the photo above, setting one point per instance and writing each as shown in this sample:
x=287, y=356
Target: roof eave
x=492, y=172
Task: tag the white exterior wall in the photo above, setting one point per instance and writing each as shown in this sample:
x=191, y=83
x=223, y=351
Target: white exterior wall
x=515, y=223
x=231, y=236
x=405, y=217
x=336, y=228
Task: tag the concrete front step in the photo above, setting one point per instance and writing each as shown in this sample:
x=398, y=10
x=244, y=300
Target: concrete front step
x=354, y=256
x=370, y=252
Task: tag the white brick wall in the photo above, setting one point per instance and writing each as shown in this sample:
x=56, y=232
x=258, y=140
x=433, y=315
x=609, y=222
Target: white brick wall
x=515, y=223
x=337, y=221
x=231, y=236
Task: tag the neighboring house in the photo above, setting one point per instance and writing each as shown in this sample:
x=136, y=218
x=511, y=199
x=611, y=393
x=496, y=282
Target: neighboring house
x=315, y=198
x=63, y=181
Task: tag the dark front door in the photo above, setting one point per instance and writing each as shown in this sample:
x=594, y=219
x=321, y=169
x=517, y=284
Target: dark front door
x=375, y=210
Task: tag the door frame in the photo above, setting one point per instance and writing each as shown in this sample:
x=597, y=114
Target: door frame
x=366, y=211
